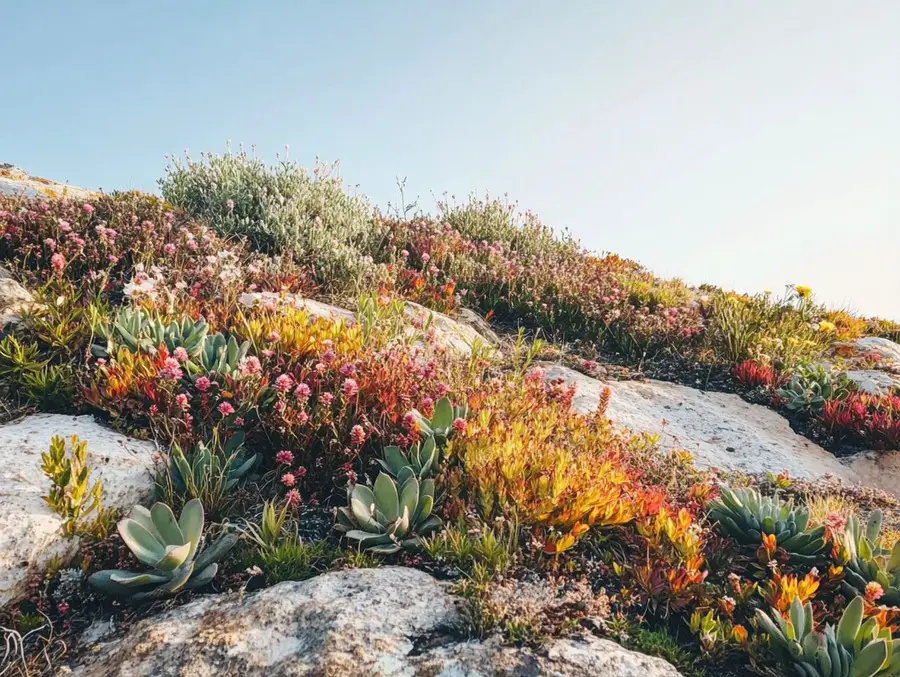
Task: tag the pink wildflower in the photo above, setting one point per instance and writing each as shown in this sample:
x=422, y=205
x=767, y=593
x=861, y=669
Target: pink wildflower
x=300, y=472
x=404, y=254
x=292, y=498
x=181, y=354
x=326, y=399
x=357, y=435
x=88, y=208
x=239, y=421
x=284, y=383
x=534, y=375
x=459, y=424
x=182, y=400
x=874, y=592
x=442, y=389
x=302, y=392
x=288, y=479
x=203, y=384
x=63, y=608
x=285, y=457
x=328, y=356
x=58, y=261
x=64, y=226
x=250, y=365
x=51, y=243
x=349, y=388
x=835, y=522
x=426, y=258
x=225, y=409
x=169, y=249
x=273, y=336
x=171, y=370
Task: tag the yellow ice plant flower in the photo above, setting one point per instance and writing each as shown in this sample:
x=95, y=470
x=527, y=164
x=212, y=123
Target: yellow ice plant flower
x=825, y=325
x=803, y=291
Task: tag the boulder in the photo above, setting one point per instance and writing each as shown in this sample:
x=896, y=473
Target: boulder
x=30, y=531
x=384, y=621
x=885, y=348
x=14, y=298
x=458, y=336
x=874, y=381
x=878, y=469
x=720, y=429
x=16, y=182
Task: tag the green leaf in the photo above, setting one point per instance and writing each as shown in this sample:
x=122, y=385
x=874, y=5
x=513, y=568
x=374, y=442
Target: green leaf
x=141, y=542
x=395, y=459
x=387, y=500
x=175, y=556
x=869, y=661
x=443, y=414
x=850, y=622
x=166, y=526
x=409, y=496
x=191, y=524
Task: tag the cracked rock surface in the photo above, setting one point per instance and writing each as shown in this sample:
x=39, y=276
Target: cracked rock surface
x=720, y=429
x=383, y=621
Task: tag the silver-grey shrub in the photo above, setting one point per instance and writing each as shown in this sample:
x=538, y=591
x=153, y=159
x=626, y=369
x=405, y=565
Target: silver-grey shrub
x=282, y=208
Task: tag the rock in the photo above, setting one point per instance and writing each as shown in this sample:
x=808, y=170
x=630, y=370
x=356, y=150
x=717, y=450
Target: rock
x=30, y=531
x=16, y=182
x=561, y=657
x=458, y=336
x=354, y=622
x=469, y=317
x=707, y=424
x=884, y=348
x=874, y=381
x=14, y=298
x=878, y=469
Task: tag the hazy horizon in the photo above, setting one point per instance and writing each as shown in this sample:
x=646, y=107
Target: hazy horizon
x=747, y=146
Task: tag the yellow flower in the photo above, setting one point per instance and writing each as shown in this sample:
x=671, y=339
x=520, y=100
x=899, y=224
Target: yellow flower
x=803, y=292
x=825, y=325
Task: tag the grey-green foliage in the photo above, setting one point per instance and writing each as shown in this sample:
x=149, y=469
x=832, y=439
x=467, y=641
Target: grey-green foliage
x=812, y=385
x=744, y=514
x=170, y=548
x=385, y=519
x=141, y=332
x=853, y=649
x=281, y=208
x=869, y=561
x=209, y=471
x=221, y=356
x=440, y=425
x=420, y=461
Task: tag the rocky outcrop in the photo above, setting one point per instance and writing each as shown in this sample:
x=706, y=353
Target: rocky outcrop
x=30, y=531
x=874, y=381
x=16, y=182
x=457, y=335
x=14, y=298
x=720, y=429
x=884, y=348
x=385, y=621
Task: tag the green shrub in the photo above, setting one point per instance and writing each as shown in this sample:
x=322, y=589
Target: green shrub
x=281, y=209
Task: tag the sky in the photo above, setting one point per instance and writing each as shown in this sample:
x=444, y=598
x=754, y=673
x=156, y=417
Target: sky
x=745, y=144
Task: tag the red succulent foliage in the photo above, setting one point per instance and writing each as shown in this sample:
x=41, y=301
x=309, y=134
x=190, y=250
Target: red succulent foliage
x=870, y=419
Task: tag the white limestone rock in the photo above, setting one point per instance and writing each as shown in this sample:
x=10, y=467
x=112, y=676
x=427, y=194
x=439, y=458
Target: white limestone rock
x=30, y=531
x=354, y=622
x=720, y=429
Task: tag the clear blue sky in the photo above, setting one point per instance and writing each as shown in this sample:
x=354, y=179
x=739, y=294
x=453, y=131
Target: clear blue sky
x=748, y=144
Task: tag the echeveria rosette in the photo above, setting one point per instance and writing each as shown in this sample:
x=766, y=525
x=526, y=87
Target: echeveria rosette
x=384, y=519
x=170, y=547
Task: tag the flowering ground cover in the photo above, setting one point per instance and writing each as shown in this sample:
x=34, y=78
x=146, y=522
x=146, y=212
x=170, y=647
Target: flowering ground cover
x=297, y=444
